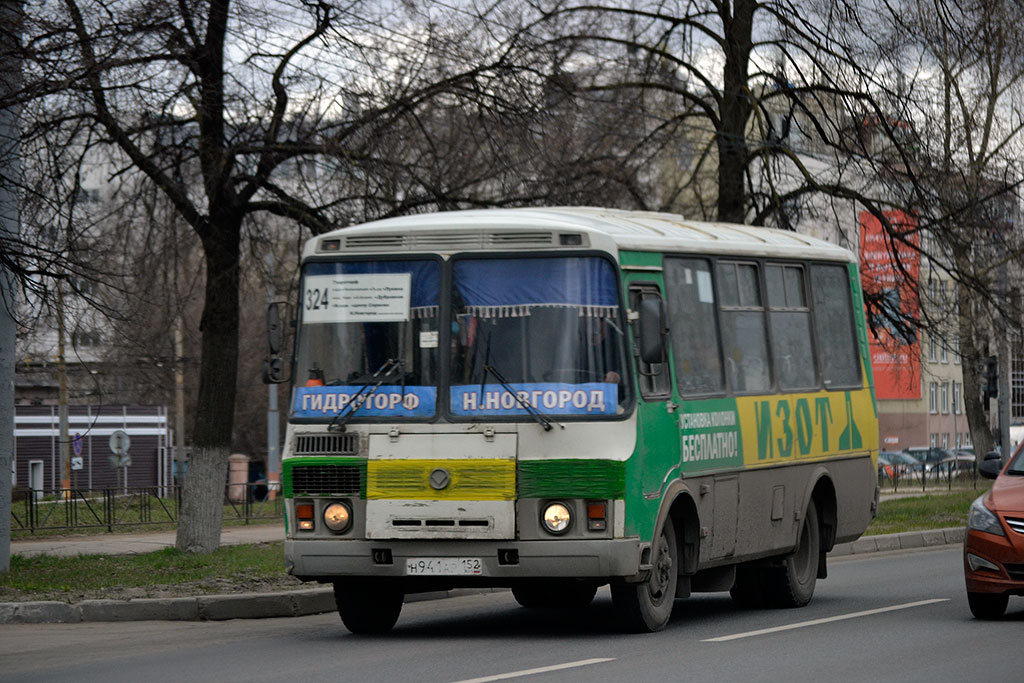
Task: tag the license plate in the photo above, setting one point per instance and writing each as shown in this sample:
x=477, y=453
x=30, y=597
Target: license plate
x=444, y=566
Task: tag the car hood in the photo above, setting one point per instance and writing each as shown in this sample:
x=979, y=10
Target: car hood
x=1007, y=494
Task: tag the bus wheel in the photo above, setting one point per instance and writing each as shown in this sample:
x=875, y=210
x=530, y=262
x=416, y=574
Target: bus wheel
x=368, y=608
x=792, y=584
x=555, y=594
x=646, y=607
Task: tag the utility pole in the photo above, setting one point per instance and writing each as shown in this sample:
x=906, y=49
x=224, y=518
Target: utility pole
x=62, y=370
x=179, y=401
x=10, y=226
x=1003, y=352
x=273, y=421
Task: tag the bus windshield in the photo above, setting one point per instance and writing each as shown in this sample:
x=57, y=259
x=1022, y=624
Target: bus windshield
x=545, y=331
x=364, y=323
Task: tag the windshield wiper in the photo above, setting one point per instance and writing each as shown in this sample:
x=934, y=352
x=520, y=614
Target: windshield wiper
x=364, y=394
x=542, y=419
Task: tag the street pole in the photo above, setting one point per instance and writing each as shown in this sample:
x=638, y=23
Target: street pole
x=179, y=401
x=65, y=454
x=273, y=423
x=1004, y=365
x=10, y=227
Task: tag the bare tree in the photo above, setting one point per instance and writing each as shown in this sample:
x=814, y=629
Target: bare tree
x=828, y=108
x=318, y=113
x=963, y=92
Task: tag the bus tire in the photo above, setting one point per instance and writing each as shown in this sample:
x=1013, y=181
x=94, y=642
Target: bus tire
x=555, y=594
x=368, y=608
x=647, y=606
x=792, y=583
x=987, y=606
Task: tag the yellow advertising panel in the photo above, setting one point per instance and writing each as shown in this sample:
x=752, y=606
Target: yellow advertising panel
x=792, y=427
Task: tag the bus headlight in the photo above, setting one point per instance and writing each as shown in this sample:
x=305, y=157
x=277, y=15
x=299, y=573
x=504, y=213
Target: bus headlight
x=338, y=517
x=556, y=518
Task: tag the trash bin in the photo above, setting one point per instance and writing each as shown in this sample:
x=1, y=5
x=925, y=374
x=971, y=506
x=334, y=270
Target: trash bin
x=238, y=477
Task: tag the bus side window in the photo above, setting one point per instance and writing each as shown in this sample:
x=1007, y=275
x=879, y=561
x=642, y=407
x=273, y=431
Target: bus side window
x=692, y=315
x=833, y=321
x=654, y=379
x=789, y=318
x=744, y=339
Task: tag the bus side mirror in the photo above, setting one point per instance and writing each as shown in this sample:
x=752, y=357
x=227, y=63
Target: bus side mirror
x=652, y=330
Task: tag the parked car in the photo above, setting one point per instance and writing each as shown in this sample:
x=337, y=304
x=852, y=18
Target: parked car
x=928, y=457
x=896, y=464
x=886, y=468
x=994, y=543
x=959, y=462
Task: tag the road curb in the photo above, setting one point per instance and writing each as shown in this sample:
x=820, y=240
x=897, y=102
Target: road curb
x=298, y=603
x=905, y=541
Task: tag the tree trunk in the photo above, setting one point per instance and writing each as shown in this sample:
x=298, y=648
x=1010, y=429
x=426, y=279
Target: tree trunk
x=199, y=522
x=734, y=110
x=971, y=362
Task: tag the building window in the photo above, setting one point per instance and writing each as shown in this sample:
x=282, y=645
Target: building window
x=957, y=398
x=933, y=398
x=933, y=355
x=945, y=440
x=944, y=351
x=933, y=440
x=945, y=398
x=85, y=339
x=956, y=349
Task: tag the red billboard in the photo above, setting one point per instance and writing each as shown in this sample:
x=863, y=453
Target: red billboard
x=890, y=265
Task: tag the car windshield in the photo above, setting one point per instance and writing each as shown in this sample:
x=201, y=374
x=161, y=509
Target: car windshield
x=547, y=333
x=368, y=328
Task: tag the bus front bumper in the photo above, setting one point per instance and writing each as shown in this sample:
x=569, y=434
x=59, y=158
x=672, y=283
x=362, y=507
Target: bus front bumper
x=500, y=562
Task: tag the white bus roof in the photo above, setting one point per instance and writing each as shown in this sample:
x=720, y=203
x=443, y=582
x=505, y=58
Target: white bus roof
x=539, y=228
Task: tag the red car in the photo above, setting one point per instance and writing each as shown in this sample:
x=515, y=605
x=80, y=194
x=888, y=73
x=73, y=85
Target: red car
x=994, y=544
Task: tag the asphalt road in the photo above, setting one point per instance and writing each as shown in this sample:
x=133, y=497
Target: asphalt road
x=899, y=616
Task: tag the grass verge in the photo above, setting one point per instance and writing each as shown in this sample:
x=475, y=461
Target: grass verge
x=920, y=513
x=164, y=573
x=260, y=567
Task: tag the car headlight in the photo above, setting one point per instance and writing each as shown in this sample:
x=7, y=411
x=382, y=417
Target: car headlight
x=980, y=518
x=338, y=517
x=556, y=518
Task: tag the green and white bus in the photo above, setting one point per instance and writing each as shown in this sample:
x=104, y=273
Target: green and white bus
x=552, y=400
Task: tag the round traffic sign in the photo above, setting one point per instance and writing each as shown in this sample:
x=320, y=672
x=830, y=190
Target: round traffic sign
x=119, y=442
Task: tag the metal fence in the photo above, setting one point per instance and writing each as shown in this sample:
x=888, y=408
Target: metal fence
x=35, y=510
x=944, y=476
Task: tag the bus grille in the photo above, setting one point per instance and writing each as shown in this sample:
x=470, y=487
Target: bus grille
x=343, y=480
x=327, y=444
x=520, y=239
x=374, y=241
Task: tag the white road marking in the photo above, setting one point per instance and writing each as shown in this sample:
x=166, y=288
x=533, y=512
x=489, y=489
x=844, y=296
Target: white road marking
x=539, y=670
x=826, y=620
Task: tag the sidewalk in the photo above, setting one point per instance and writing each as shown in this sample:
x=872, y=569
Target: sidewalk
x=136, y=543
x=294, y=603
